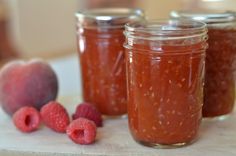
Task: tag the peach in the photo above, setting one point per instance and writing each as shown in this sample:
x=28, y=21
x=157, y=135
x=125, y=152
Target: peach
x=32, y=83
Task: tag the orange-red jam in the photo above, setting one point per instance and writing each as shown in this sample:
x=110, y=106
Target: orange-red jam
x=219, y=91
x=165, y=83
x=103, y=70
x=100, y=45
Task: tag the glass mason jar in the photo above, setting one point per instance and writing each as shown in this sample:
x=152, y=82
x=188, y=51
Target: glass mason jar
x=219, y=89
x=165, y=68
x=100, y=46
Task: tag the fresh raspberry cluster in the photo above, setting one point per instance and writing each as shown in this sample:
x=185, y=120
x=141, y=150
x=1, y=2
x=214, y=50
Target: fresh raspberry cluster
x=82, y=130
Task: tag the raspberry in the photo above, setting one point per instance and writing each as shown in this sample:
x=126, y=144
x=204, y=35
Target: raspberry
x=82, y=131
x=26, y=119
x=88, y=111
x=55, y=116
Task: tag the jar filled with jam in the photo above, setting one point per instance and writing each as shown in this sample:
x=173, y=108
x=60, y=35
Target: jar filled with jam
x=165, y=68
x=219, y=89
x=100, y=46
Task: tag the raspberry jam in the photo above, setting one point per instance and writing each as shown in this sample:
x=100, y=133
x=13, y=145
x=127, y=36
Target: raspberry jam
x=165, y=69
x=219, y=89
x=101, y=52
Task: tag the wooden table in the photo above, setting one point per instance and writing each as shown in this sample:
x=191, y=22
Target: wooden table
x=216, y=138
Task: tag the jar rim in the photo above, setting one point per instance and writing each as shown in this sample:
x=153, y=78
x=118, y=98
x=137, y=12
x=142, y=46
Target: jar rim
x=165, y=29
x=108, y=17
x=209, y=17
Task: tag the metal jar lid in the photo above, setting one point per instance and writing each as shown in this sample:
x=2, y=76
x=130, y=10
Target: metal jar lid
x=108, y=17
x=206, y=16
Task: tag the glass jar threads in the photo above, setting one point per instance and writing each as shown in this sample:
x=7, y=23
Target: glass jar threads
x=165, y=69
x=219, y=89
x=100, y=45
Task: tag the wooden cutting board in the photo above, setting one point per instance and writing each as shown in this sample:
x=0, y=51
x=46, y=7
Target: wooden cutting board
x=217, y=138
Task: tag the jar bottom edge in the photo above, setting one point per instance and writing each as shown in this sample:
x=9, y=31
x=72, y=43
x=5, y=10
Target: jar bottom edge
x=123, y=116
x=217, y=118
x=165, y=146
